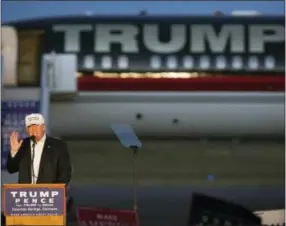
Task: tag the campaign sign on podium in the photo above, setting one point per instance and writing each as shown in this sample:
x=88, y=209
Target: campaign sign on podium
x=34, y=204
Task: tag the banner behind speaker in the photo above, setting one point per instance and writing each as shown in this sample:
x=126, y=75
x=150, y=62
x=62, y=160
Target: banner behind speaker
x=13, y=113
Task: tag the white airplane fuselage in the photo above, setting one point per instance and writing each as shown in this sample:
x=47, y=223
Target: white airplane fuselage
x=171, y=114
x=132, y=44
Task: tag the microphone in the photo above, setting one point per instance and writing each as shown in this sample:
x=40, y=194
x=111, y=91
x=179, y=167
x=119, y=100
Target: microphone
x=33, y=138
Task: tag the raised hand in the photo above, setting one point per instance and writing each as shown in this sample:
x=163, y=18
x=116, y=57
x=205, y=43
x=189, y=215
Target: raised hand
x=15, y=144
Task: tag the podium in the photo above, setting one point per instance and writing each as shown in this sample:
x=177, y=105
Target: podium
x=34, y=204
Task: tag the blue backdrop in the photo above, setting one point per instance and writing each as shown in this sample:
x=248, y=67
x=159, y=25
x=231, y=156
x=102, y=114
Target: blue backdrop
x=13, y=119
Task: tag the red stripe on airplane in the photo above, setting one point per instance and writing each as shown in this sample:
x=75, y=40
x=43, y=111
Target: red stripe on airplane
x=233, y=83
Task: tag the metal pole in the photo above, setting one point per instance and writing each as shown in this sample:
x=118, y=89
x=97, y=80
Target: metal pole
x=135, y=182
x=45, y=90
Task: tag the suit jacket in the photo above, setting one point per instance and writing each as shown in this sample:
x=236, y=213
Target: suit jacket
x=55, y=164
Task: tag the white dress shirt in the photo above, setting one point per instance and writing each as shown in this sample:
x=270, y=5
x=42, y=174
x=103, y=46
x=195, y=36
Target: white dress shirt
x=37, y=158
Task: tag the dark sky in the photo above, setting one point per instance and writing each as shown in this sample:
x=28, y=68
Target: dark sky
x=13, y=10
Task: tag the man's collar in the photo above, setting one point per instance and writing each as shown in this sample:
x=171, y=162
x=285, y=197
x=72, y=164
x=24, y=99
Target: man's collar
x=43, y=139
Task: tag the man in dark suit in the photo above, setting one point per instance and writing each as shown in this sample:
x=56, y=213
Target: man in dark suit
x=39, y=158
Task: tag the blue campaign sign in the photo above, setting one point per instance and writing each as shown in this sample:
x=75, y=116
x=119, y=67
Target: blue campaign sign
x=13, y=119
x=47, y=201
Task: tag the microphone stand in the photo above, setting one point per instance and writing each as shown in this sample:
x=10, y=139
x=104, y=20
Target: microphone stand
x=32, y=163
x=135, y=180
